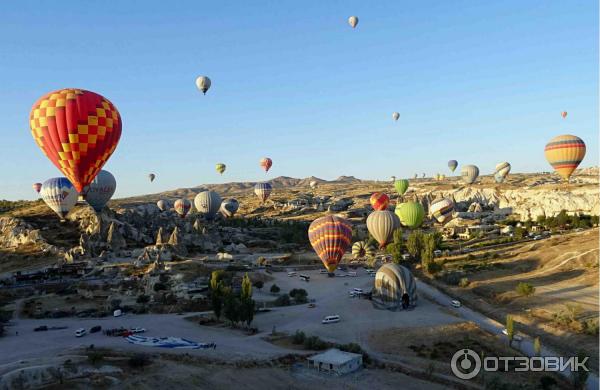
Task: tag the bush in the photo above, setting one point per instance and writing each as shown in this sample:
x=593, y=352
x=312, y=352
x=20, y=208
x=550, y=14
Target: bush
x=138, y=360
x=143, y=299
x=591, y=326
x=298, y=337
x=95, y=357
x=463, y=282
x=299, y=295
x=525, y=289
x=258, y=284
x=159, y=287
x=275, y=289
x=283, y=300
x=315, y=343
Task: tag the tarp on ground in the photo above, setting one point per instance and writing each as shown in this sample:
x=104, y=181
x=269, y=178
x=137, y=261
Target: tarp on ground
x=167, y=342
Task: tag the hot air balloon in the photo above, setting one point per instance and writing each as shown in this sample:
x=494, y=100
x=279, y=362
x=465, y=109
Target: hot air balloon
x=263, y=190
x=379, y=201
x=441, y=210
x=501, y=171
x=220, y=167
x=469, y=173
x=313, y=184
x=100, y=190
x=411, y=214
x=330, y=237
x=401, y=186
x=452, y=164
x=182, y=207
x=162, y=204
x=424, y=175
x=77, y=130
x=396, y=116
x=151, y=176
x=395, y=288
x=362, y=249
x=37, y=187
x=416, y=175
x=266, y=163
x=203, y=84
x=563, y=114
x=60, y=195
x=353, y=21
x=229, y=207
x=208, y=203
x=381, y=225
x=564, y=153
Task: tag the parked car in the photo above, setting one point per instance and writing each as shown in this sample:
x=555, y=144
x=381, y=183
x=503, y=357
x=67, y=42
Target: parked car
x=41, y=328
x=292, y=274
x=311, y=305
x=80, y=332
x=95, y=329
x=538, y=237
x=331, y=319
x=118, y=313
x=352, y=273
x=455, y=303
x=323, y=271
x=137, y=330
x=516, y=337
x=357, y=290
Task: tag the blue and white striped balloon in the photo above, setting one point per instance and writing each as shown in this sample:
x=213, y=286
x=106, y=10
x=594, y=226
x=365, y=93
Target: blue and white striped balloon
x=60, y=195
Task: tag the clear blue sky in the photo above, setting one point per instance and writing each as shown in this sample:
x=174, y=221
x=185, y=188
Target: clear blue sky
x=477, y=81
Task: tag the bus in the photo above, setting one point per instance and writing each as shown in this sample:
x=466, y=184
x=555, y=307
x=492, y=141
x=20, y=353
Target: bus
x=305, y=278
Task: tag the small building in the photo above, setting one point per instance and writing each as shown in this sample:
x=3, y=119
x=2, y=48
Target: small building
x=336, y=362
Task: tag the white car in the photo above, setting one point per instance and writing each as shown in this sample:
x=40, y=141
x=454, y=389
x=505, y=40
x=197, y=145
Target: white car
x=80, y=332
x=331, y=319
x=292, y=274
x=455, y=303
x=323, y=271
x=516, y=337
x=357, y=290
x=138, y=330
x=352, y=273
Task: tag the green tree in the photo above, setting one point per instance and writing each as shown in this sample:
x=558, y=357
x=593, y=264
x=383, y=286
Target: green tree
x=258, y=284
x=510, y=328
x=246, y=292
x=395, y=247
x=525, y=289
x=247, y=307
x=541, y=220
x=275, y=289
x=299, y=294
x=562, y=218
x=215, y=278
x=414, y=243
x=537, y=346
x=231, y=308
x=143, y=299
x=519, y=233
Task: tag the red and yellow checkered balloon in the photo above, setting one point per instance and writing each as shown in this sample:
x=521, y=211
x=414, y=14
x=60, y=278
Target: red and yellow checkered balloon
x=77, y=130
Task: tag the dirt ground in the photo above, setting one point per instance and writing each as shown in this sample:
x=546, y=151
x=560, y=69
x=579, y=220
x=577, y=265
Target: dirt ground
x=564, y=272
x=434, y=346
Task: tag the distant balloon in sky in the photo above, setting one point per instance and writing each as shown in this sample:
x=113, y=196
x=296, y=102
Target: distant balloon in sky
x=229, y=207
x=182, y=207
x=441, y=210
x=401, y=186
x=151, y=176
x=353, y=21
x=77, y=130
x=220, y=167
x=396, y=116
x=37, y=187
x=208, y=203
x=162, y=204
x=263, y=190
x=100, y=190
x=60, y=195
x=379, y=201
x=501, y=171
x=452, y=164
x=563, y=114
x=564, y=153
x=424, y=175
x=469, y=173
x=416, y=175
x=330, y=237
x=266, y=163
x=203, y=84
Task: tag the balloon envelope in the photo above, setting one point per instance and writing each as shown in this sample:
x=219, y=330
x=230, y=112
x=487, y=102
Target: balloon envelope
x=220, y=167
x=469, y=173
x=77, y=130
x=182, y=207
x=452, y=164
x=396, y=116
x=563, y=114
x=162, y=204
x=401, y=186
x=266, y=163
x=411, y=214
x=381, y=225
x=229, y=207
x=501, y=171
x=37, y=187
x=330, y=237
x=151, y=176
x=379, y=201
x=100, y=190
x=564, y=153
x=353, y=21
x=208, y=203
x=362, y=249
x=441, y=210
x=60, y=195
x=262, y=190
x=203, y=83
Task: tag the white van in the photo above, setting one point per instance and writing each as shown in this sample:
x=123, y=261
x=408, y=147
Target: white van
x=357, y=290
x=331, y=319
x=117, y=313
x=292, y=273
x=305, y=278
x=80, y=332
x=352, y=273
